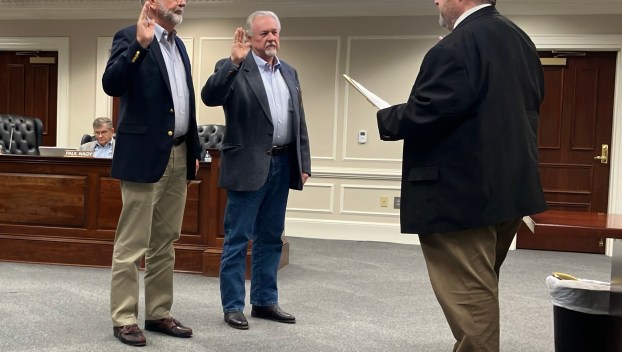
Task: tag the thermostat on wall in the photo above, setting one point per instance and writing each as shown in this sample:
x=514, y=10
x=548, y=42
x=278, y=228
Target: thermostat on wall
x=362, y=136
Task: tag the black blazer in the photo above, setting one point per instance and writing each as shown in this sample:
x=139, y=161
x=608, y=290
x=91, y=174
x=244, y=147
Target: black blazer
x=244, y=161
x=146, y=117
x=470, y=155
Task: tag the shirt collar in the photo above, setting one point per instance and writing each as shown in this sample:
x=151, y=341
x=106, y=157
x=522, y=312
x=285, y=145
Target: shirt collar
x=109, y=144
x=263, y=64
x=470, y=11
x=163, y=35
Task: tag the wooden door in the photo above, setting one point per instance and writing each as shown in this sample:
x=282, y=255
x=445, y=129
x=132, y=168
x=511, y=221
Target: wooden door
x=28, y=87
x=575, y=124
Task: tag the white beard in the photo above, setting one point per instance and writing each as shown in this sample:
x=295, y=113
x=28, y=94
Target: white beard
x=271, y=51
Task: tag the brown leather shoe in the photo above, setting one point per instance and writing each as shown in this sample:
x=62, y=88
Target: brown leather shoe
x=169, y=326
x=129, y=335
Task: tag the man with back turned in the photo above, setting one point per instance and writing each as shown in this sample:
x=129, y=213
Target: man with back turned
x=470, y=160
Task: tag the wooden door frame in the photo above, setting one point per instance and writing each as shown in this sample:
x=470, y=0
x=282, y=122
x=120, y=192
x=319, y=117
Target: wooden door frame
x=60, y=45
x=603, y=42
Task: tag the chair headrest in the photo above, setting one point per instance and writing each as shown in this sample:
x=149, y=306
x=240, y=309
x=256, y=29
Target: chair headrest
x=211, y=136
x=27, y=134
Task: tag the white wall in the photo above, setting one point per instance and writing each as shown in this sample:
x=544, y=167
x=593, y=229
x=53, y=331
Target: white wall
x=342, y=199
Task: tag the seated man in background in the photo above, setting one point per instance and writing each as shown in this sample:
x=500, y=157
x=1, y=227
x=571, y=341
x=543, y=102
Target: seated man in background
x=103, y=146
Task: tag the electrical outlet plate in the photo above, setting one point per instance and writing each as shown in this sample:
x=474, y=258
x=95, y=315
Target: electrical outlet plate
x=384, y=201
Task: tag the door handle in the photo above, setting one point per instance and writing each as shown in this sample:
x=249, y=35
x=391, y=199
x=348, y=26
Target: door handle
x=604, y=154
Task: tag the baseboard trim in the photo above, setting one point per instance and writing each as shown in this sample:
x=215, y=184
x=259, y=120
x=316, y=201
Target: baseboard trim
x=347, y=230
x=351, y=231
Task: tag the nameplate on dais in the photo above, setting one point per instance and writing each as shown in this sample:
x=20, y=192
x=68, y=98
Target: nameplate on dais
x=78, y=154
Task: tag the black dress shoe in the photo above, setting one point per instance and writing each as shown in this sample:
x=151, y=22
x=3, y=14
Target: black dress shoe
x=169, y=326
x=236, y=320
x=272, y=313
x=129, y=335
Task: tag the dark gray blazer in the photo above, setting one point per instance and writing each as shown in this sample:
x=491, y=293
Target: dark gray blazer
x=470, y=135
x=241, y=93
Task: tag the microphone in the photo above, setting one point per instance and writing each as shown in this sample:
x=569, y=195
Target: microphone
x=11, y=138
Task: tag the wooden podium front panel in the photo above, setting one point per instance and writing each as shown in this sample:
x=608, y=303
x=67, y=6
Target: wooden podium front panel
x=44, y=200
x=109, y=204
x=65, y=211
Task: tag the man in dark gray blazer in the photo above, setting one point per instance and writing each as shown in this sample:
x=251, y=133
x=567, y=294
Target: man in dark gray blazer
x=265, y=152
x=156, y=152
x=470, y=160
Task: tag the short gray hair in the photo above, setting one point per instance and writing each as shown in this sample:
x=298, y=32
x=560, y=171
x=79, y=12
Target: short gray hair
x=251, y=18
x=100, y=121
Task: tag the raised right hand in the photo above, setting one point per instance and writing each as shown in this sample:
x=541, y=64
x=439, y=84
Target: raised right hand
x=145, y=27
x=240, y=46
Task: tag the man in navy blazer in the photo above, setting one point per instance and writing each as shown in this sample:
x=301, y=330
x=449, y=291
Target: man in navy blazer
x=265, y=152
x=470, y=160
x=157, y=150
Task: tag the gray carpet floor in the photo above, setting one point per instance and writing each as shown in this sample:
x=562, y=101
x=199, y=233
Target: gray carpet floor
x=347, y=296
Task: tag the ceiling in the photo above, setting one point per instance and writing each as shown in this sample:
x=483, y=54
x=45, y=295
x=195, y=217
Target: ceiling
x=128, y=9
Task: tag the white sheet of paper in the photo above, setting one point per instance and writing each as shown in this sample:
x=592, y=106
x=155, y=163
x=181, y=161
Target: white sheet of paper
x=371, y=97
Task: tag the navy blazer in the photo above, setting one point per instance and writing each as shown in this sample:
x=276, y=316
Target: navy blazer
x=244, y=159
x=470, y=155
x=144, y=135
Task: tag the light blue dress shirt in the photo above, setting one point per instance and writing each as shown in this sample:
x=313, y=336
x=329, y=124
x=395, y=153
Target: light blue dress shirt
x=102, y=151
x=278, y=99
x=177, y=78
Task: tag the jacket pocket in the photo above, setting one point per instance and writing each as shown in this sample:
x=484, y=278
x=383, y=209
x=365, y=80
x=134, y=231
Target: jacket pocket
x=429, y=173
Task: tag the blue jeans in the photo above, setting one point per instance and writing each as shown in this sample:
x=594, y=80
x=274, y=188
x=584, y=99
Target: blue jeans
x=260, y=216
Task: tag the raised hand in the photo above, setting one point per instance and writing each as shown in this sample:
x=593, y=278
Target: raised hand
x=145, y=27
x=240, y=46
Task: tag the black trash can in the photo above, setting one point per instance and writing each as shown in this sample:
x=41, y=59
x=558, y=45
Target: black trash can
x=581, y=317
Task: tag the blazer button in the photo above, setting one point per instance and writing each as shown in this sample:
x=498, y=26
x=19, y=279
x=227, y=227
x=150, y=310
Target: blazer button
x=172, y=111
x=170, y=133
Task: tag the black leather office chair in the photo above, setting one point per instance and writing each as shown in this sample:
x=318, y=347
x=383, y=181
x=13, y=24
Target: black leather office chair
x=87, y=138
x=27, y=134
x=210, y=137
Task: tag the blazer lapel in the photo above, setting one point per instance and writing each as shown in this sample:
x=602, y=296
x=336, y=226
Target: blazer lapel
x=294, y=91
x=253, y=77
x=157, y=53
x=184, y=57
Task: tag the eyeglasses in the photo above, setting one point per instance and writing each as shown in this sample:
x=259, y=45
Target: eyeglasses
x=101, y=133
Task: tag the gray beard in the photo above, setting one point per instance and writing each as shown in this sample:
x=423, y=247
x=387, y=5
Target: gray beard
x=174, y=18
x=271, y=52
x=445, y=24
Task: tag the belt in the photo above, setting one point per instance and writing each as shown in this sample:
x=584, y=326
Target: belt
x=278, y=149
x=179, y=140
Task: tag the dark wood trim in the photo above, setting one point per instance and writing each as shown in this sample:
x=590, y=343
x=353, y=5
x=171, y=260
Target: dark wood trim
x=575, y=223
x=65, y=210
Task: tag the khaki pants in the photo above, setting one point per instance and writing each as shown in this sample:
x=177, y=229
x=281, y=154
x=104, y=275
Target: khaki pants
x=150, y=222
x=464, y=272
